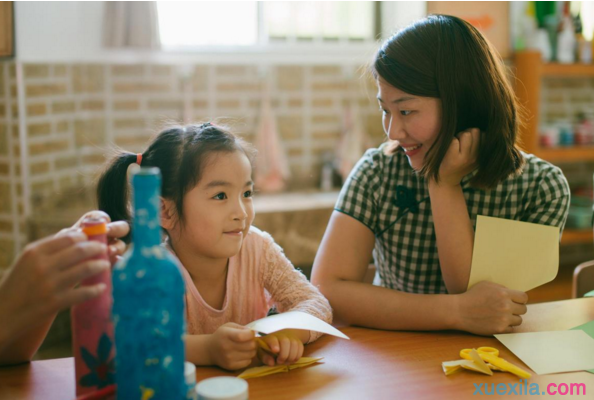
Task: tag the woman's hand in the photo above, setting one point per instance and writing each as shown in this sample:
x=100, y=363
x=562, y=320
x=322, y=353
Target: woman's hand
x=232, y=346
x=285, y=344
x=488, y=308
x=43, y=279
x=115, y=231
x=460, y=158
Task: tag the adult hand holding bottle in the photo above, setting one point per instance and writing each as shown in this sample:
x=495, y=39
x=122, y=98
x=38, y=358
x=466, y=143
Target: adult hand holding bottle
x=43, y=281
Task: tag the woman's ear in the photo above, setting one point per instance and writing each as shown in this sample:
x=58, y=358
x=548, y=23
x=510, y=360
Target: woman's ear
x=168, y=214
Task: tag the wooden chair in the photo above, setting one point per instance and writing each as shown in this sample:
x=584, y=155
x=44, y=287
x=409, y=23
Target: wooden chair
x=583, y=279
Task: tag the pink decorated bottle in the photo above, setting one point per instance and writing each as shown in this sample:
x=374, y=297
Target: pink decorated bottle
x=92, y=329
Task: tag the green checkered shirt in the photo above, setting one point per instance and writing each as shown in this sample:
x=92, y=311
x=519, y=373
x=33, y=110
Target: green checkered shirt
x=383, y=193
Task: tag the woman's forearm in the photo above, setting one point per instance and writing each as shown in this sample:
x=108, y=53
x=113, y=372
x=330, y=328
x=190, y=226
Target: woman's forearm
x=197, y=351
x=21, y=345
x=362, y=304
x=454, y=234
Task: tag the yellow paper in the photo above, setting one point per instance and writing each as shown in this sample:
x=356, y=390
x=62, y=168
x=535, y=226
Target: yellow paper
x=450, y=367
x=258, y=372
x=294, y=320
x=552, y=352
x=479, y=363
x=517, y=255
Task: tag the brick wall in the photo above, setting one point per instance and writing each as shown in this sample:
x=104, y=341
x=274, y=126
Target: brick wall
x=12, y=220
x=74, y=113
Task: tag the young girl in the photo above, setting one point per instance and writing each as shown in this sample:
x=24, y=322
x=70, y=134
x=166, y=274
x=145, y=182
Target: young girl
x=452, y=119
x=233, y=271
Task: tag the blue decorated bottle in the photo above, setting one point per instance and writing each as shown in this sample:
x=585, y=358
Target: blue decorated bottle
x=148, y=309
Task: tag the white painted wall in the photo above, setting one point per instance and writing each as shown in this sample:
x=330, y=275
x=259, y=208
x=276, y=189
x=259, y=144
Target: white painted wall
x=58, y=31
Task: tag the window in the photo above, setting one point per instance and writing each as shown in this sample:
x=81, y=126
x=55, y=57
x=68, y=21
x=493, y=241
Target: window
x=186, y=25
x=190, y=24
x=322, y=20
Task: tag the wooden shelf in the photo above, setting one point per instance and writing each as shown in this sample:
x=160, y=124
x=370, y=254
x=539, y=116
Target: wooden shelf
x=566, y=154
x=530, y=70
x=571, y=70
x=574, y=236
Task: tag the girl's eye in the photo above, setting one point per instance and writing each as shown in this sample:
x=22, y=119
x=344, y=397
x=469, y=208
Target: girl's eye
x=405, y=112
x=220, y=196
x=247, y=194
x=384, y=111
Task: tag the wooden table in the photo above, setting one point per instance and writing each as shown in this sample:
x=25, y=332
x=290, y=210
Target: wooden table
x=372, y=365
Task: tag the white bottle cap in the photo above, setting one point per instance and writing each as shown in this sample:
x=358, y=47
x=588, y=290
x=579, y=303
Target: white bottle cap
x=222, y=388
x=190, y=373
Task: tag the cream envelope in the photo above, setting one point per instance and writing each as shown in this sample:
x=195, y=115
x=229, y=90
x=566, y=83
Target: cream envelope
x=518, y=255
x=294, y=320
x=552, y=352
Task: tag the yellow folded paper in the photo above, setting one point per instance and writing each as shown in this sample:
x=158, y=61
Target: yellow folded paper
x=476, y=364
x=485, y=360
x=258, y=372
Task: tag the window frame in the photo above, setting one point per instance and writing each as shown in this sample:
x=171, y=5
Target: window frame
x=292, y=46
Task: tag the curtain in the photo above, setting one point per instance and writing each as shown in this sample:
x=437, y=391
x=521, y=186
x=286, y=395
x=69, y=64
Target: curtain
x=131, y=24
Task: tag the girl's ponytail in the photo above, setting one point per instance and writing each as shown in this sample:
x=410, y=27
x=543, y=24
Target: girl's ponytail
x=113, y=190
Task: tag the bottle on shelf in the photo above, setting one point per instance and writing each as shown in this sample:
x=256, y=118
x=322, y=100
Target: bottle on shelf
x=566, y=40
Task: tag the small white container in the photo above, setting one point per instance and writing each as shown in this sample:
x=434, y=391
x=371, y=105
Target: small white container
x=190, y=376
x=222, y=388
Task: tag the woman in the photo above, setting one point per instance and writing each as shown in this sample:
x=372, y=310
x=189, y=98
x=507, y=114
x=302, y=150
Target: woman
x=452, y=119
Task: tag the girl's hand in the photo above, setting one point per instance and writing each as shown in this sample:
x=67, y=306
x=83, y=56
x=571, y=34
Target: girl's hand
x=232, y=346
x=43, y=279
x=460, y=158
x=115, y=231
x=488, y=308
x=285, y=344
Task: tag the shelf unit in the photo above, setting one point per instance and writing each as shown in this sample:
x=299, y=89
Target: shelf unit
x=530, y=71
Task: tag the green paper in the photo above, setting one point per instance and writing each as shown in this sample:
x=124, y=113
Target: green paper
x=588, y=327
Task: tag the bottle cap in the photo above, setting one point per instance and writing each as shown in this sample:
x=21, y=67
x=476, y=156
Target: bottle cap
x=222, y=388
x=94, y=226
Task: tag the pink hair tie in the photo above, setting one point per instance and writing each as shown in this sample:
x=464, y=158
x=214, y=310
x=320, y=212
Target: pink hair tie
x=138, y=158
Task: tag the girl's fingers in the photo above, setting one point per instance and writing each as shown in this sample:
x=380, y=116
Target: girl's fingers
x=76, y=274
x=294, y=353
x=75, y=254
x=272, y=342
x=285, y=348
x=247, y=355
x=239, y=364
x=80, y=295
x=266, y=358
x=250, y=345
x=242, y=335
